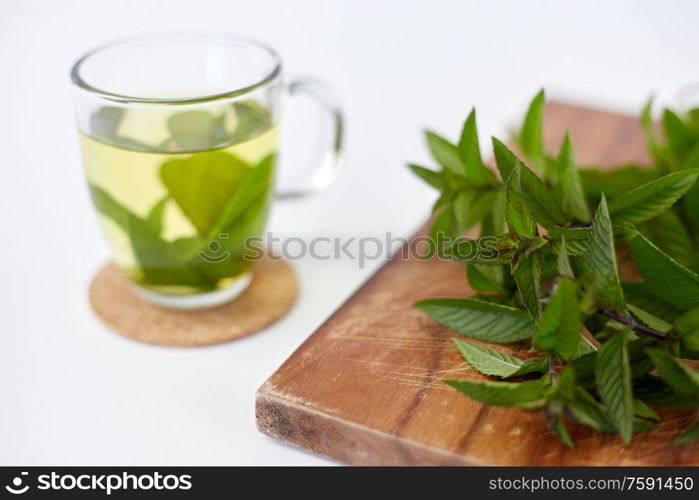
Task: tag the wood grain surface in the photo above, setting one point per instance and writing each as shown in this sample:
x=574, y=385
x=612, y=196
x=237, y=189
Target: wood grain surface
x=366, y=387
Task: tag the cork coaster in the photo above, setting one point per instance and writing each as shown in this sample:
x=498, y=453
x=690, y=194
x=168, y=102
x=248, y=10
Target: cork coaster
x=269, y=296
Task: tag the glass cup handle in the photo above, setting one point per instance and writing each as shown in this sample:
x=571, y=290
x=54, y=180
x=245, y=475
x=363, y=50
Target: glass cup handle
x=321, y=178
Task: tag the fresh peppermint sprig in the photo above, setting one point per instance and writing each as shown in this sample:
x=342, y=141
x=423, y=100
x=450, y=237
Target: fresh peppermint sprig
x=603, y=351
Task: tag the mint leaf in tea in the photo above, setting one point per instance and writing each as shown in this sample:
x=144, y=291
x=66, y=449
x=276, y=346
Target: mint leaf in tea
x=177, y=198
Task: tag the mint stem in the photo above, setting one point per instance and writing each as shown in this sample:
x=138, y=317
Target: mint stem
x=552, y=369
x=634, y=325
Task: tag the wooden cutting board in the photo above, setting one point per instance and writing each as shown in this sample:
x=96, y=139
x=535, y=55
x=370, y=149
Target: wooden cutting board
x=366, y=387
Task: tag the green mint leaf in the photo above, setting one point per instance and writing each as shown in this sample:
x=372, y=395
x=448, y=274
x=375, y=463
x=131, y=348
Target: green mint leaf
x=646, y=117
x=443, y=226
x=505, y=159
x=562, y=263
x=560, y=326
x=445, y=153
x=692, y=159
x=243, y=215
x=257, y=185
x=613, y=378
x=532, y=366
x=252, y=119
x=488, y=250
x=497, y=363
x=565, y=382
x=470, y=152
x=648, y=319
x=480, y=320
x=602, y=259
x=654, y=390
x=668, y=232
x=680, y=138
x=663, y=275
x=441, y=202
x=518, y=217
x=585, y=346
x=231, y=240
x=614, y=182
x=641, y=296
x=692, y=118
x=646, y=120
x=564, y=389
x=431, y=177
x=530, y=135
x=160, y=263
x=569, y=188
x=652, y=199
x=639, y=360
x=687, y=329
x=642, y=410
x=493, y=224
x=155, y=216
x=197, y=130
x=643, y=424
x=683, y=380
x=105, y=124
x=527, y=395
x=690, y=434
x=691, y=199
x=202, y=185
x=527, y=273
x=577, y=239
x=454, y=182
x=584, y=368
x=588, y=411
x=538, y=197
x=556, y=422
x=485, y=279
x=532, y=244
x=189, y=247
x=109, y=207
x=471, y=206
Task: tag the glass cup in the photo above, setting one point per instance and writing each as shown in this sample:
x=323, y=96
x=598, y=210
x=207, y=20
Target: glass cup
x=180, y=140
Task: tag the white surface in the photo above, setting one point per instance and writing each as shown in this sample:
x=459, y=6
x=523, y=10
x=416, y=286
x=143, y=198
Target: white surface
x=74, y=393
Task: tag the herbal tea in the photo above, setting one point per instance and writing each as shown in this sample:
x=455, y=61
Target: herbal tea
x=177, y=204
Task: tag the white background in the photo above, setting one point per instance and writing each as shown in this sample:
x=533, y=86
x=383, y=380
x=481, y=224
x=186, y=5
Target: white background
x=72, y=392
